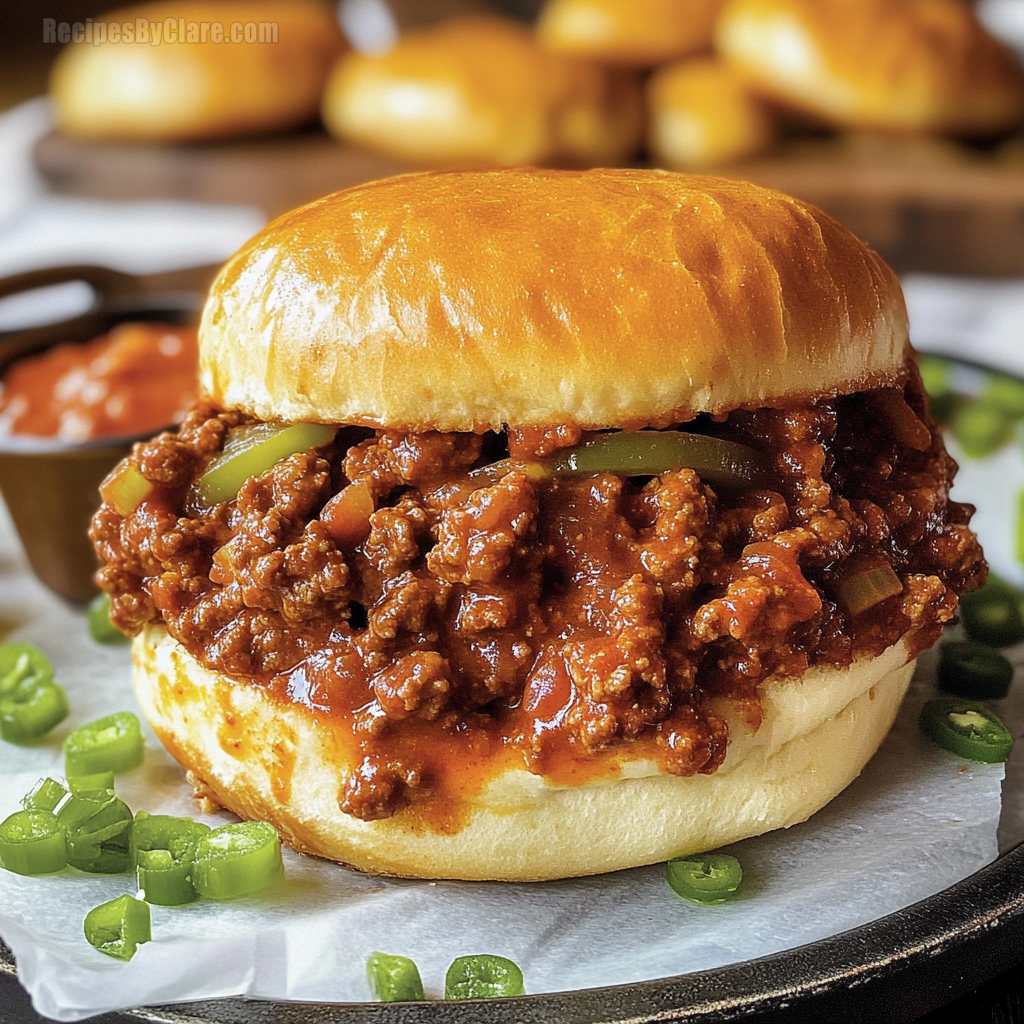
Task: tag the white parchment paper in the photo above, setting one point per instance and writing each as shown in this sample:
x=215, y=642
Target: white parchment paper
x=916, y=821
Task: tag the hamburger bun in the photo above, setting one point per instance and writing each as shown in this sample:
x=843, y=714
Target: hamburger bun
x=639, y=33
x=192, y=89
x=766, y=299
x=914, y=66
x=283, y=764
x=521, y=300
x=478, y=90
x=701, y=113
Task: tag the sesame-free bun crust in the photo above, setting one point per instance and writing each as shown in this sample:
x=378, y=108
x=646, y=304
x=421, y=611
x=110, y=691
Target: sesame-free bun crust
x=478, y=92
x=637, y=32
x=917, y=65
x=282, y=763
x=471, y=300
x=181, y=90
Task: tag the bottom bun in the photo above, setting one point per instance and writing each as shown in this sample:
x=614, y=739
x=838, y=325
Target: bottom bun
x=279, y=762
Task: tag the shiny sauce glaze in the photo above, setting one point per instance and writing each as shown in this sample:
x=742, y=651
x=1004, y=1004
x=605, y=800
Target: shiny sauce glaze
x=491, y=615
x=139, y=378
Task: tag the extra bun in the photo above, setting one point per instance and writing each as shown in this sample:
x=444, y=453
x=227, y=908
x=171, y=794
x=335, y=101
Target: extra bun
x=601, y=298
x=635, y=32
x=185, y=90
x=285, y=766
x=702, y=113
x=919, y=65
x=479, y=91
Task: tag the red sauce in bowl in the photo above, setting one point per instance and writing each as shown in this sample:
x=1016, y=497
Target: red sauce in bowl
x=135, y=380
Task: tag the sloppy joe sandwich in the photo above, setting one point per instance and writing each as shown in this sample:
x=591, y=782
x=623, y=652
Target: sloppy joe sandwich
x=538, y=523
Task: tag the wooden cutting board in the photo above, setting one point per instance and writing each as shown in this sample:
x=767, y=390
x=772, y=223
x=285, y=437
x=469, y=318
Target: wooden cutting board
x=925, y=205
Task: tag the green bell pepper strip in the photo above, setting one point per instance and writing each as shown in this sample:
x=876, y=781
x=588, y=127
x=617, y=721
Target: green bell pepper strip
x=236, y=860
x=967, y=729
x=992, y=615
x=483, y=976
x=162, y=850
x=649, y=452
x=31, y=703
x=97, y=827
x=394, y=979
x=45, y=795
x=32, y=843
x=250, y=451
x=110, y=744
x=101, y=629
x=119, y=927
x=705, y=878
x=970, y=669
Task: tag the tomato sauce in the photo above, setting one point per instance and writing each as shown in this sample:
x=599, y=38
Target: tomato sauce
x=135, y=380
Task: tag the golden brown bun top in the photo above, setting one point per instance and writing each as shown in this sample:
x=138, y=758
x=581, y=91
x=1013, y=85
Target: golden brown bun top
x=633, y=32
x=478, y=91
x=910, y=65
x=604, y=298
x=196, y=87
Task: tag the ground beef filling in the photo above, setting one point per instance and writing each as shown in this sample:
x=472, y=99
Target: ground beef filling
x=485, y=605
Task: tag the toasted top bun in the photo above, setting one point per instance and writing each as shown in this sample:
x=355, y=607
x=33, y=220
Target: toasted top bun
x=702, y=113
x=479, y=91
x=282, y=763
x=196, y=86
x=471, y=300
x=635, y=32
x=916, y=65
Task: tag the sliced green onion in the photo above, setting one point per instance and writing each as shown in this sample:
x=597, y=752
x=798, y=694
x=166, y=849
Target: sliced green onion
x=970, y=669
x=483, y=976
x=45, y=795
x=119, y=927
x=865, y=589
x=162, y=849
x=394, y=979
x=992, y=615
x=648, y=452
x=980, y=429
x=967, y=729
x=705, y=878
x=97, y=827
x=236, y=860
x=85, y=783
x=110, y=744
x=252, y=450
x=32, y=843
x=101, y=629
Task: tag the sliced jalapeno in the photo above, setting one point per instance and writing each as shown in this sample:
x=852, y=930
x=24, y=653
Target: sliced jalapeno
x=97, y=827
x=483, y=976
x=162, y=849
x=32, y=843
x=101, y=629
x=109, y=744
x=31, y=703
x=705, y=878
x=648, y=452
x=967, y=729
x=970, y=669
x=394, y=979
x=119, y=927
x=992, y=615
x=236, y=860
x=45, y=795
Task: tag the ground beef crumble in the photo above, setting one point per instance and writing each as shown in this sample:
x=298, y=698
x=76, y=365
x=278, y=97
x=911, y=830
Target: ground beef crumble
x=487, y=599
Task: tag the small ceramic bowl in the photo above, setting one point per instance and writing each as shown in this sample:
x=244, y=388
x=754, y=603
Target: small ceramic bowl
x=51, y=486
